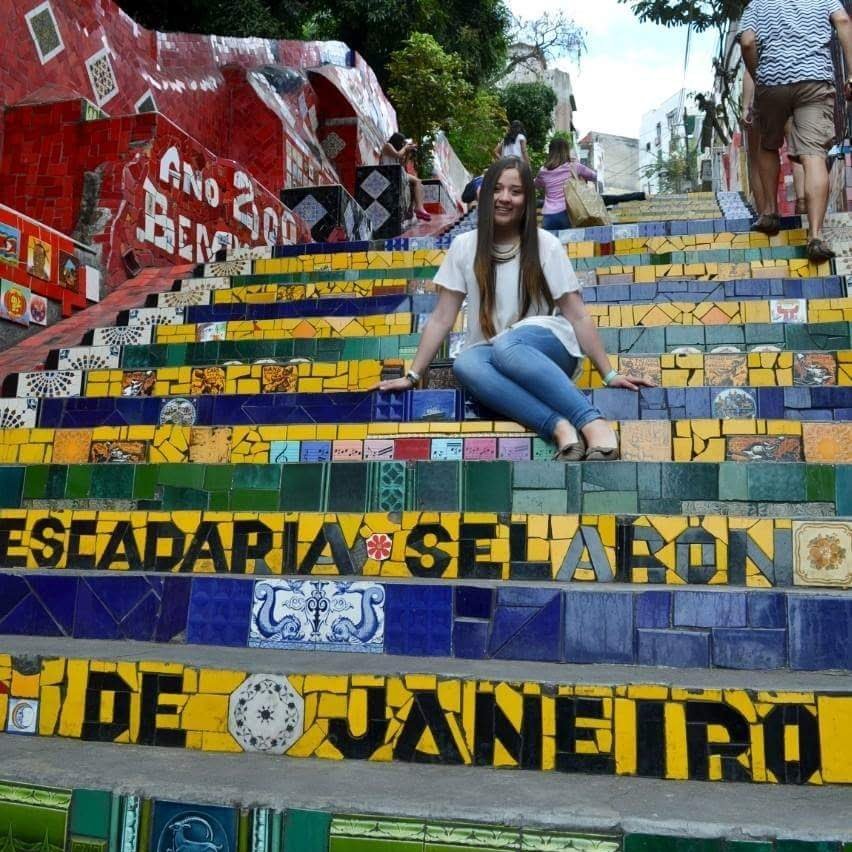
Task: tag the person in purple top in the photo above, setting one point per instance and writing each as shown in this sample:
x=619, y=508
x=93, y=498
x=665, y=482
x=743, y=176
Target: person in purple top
x=552, y=177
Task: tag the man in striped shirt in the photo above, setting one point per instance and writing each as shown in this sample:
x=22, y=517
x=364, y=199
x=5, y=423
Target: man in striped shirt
x=786, y=46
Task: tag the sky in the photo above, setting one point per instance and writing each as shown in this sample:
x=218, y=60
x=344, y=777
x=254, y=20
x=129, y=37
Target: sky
x=629, y=67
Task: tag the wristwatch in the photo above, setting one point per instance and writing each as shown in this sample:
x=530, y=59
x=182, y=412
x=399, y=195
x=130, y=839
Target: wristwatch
x=413, y=376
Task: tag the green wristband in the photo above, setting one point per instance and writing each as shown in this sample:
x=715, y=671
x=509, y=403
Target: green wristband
x=609, y=377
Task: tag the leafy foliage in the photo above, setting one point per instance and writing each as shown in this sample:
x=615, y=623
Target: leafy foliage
x=428, y=90
x=242, y=18
x=473, y=134
x=532, y=104
x=701, y=15
x=676, y=172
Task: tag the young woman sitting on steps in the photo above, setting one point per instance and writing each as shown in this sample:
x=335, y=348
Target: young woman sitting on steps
x=519, y=355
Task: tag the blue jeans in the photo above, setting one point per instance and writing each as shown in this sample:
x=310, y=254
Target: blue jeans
x=556, y=221
x=525, y=376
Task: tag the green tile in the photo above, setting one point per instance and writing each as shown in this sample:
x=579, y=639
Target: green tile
x=218, y=477
x=259, y=477
x=749, y=846
x=175, y=497
x=181, y=474
x=302, y=487
x=806, y=846
x=487, y=486
x=90, y=813
x=260, y=501
x=371, y=844
x=34, y=817
x=347, y=487
x=145, y=482
x=457, y=837
x=733, y=481
x=436, y=487
x=774, y=482
x=610, y=502
x=819, y=483
x=219, y=501
x=35, y=482
x=375, y=834
x=558, y=841
x=56, y=477
x=542, y=501
x=79, y=481
x=660, y=843
x=11, y=486
x=112, y=482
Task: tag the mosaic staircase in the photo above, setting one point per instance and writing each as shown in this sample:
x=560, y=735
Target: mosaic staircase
x=206, y=511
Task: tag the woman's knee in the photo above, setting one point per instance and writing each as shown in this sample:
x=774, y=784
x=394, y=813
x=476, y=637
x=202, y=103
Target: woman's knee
x=465, y=367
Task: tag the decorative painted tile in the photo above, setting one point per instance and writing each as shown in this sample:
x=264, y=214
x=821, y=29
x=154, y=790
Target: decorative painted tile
x=641, y=367
x=734, y=404
x=123, y=335
x=278, y=378
x=155, y=316
x=179, y=826
x=266, y=714
x=22, y=717
x=726, y=370
x=646, y=440
x=763, y=448
x=284, y=452
x=788, y=310
x=146, y=103
x=328, y=615
x=206, y=332
x=447, y=449
x=822, y=553
x=101, y=76
x=814, y=369
x=44, y=31
x=183, y=298
x=50, y=383
x=18, y=413
x=118, y=452
x=226, y=268
x=207, y=380
x=138, y=382
x=179, y=411
x=90, y=358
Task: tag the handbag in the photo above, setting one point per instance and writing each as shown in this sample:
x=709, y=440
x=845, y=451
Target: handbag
x=584, y=203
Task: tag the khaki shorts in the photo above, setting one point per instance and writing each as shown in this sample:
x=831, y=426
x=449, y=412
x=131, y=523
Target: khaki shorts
x=810, y=105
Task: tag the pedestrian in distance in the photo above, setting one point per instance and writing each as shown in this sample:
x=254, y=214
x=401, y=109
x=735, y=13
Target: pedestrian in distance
x=527, y=325
x=557, y=169
x=513, y=144
x=786, y=46
x=396, y=152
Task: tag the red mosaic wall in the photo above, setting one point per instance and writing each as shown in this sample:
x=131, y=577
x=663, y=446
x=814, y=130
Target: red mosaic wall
x=163, y=198
x=192, y=79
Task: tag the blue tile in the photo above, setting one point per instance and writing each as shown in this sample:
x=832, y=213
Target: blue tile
x=766, y=609
x=469, y=639
x=418, y=620
x=709, y=609
x=120, y=594
x=58, y=594
x=28, y=617
x=524, y=596
x=538, y=638
x=598, y=627
x=92, y=619
x=473, y=601
x=13, y=589
x=174, y=609
x=219, y=612
x=820, y=632
x=678, y=648
x=653, y=609
x=742, y=648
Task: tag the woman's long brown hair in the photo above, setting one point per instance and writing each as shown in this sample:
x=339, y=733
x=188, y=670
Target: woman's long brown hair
x=532, y=285
x=558, y=153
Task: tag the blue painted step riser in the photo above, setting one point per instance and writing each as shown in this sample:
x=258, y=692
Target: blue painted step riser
x=797, y=403
x=712, y=629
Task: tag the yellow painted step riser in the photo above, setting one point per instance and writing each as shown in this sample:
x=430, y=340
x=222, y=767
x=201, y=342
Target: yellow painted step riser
x=767, y=369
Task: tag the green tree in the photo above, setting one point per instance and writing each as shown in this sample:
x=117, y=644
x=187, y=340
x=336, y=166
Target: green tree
x=428, y=90
x=701, y=15
x=472, y=135
x=243, y=18
x=532, y=104
x=676, y=172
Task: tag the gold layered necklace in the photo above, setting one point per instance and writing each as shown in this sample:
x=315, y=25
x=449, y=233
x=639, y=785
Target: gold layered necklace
x=504, y=252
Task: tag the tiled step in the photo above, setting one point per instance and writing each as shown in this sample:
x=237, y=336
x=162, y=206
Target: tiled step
x=754, y=630
x=641, y=440
x=764, y=489
x=829, y=287
x=636, y=341
x=489, y=543
x=767, y=369
x=770, y=403
x=627, y=814
x=166, y=325
x=691, y=725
